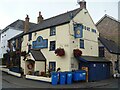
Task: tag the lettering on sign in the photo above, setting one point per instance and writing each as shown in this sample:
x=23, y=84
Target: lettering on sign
x=40, y=43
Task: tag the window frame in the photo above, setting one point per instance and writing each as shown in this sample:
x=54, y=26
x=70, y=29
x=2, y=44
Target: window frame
x=51, y=46
x=93, y=30
x=52, y=31
x=101, y=51
x=82, y=44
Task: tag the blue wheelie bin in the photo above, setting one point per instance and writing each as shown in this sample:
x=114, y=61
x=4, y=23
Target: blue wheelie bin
x=69, y=77
x=55, y=78
x=62, y=78
x=81, y=75
x=75, y=76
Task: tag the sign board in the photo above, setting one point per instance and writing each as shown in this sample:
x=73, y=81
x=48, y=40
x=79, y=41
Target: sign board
x=78, y=30
x=40, y=43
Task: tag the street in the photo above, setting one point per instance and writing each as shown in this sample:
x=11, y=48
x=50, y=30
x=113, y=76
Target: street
x=9, y=81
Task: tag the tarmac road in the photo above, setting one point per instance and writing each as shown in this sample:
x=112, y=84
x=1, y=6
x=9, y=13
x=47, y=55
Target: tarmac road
x=9, y=81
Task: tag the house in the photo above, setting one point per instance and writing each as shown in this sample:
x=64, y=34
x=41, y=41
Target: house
x=110, y=50
x=108, y=28
x=7, y=33
x=68, y=41
x=109, y=40
x=0, y=45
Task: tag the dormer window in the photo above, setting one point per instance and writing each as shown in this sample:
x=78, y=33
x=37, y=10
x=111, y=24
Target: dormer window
x=52, y=31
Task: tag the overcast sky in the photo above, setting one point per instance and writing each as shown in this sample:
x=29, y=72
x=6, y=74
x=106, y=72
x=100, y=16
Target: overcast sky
x=11, y=10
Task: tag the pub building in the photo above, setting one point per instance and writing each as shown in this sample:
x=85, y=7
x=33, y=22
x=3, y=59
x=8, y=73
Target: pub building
x=68, y=41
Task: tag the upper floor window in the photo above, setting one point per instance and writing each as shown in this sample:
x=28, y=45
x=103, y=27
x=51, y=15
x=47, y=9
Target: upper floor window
x=101, y=52
x=93, y=30
x=88, y=28
x=52, y=31
x=81, y=43
x=30, y=36
x=52, y=45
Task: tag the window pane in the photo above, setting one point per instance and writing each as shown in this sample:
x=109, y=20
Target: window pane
x=52, y=31
x=101, y=52
x=93, y=30
x=52, y=45
x=81, y=43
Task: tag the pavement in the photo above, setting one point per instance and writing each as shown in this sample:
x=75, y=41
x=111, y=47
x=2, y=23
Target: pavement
x=9, y=81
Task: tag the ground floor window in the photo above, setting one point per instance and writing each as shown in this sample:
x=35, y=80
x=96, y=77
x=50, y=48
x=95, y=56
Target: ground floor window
x=116, y=65
x=52, y=66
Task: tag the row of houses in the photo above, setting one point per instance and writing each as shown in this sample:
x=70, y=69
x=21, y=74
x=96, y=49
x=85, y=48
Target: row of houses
x=69, y=41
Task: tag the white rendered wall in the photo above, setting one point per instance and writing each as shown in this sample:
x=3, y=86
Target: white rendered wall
x=5, y=36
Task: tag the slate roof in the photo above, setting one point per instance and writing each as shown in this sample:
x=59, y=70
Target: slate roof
x=38, y=56
x=110, y=17
x=110, y=45
x=92, y=59
x=56, y=20
x=17, y=36
x=19, y=25
x=53, y=21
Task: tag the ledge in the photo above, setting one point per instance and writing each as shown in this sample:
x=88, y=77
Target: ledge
x=14, y=73
x=39, y=78
x=4, y=69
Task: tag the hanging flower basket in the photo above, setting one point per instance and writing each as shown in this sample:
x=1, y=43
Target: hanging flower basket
x=60, y=52
x=23, y=53
x=77, y=52
x=18, y=51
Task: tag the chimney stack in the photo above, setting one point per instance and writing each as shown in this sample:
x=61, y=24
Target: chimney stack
x=39, y=18
x=26, y=27
x=82, y=4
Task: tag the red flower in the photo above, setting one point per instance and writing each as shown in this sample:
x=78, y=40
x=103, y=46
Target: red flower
x=60, y=52
x=77, y=52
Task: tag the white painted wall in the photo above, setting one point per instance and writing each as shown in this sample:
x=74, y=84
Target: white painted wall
x=0, y=46
x=5, y=36
x=90, y=38
x=64, y=38
x=39, y=66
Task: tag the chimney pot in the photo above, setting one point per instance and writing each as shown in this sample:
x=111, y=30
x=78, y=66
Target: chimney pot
x=26, y=27
x=82, y=4
x=40, y=18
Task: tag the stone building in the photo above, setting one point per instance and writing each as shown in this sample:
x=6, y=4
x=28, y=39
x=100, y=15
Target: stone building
x=109, y=38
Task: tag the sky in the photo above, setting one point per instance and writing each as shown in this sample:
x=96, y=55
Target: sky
x=12, y=10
